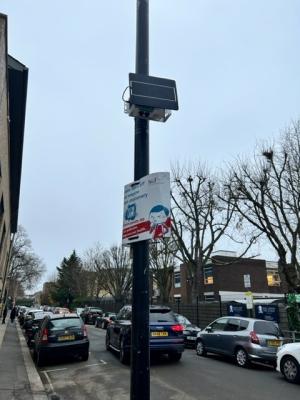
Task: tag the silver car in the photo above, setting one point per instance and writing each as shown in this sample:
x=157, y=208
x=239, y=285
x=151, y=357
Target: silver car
x=245, y=339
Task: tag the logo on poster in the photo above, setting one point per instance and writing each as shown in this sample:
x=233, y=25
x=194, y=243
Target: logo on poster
x=130, y=213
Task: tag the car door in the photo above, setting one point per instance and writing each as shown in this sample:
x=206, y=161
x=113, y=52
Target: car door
x=116, y=327
x=211, y=335
x=230, y=336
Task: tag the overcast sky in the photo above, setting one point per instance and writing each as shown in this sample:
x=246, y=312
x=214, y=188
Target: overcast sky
x=236, y=64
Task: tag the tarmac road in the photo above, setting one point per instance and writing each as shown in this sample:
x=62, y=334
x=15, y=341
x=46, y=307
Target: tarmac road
x=193, y=378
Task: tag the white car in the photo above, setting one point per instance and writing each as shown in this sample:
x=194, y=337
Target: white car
x=288, y=361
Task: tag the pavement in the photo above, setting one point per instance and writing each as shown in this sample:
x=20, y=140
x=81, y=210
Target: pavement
x=19, y=379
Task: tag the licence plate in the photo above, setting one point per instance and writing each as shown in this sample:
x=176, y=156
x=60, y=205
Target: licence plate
x=159, y=334
x=191, y=337
x=274, y=343
x=66, y=337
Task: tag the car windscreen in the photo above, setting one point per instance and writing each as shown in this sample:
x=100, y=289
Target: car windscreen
x=182, y=320
x=64, y=323
x=266, y=328
x=161, y=316
x=96, y=310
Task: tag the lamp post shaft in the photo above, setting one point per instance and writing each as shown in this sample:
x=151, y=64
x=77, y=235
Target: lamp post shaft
x=140, y=357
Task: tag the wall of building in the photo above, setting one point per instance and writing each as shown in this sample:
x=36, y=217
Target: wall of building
x=230, y=274
x=4, y=158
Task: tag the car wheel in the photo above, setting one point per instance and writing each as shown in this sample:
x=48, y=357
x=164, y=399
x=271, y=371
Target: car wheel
x=40, y=361
x=241, y=358
x=84, y=356
x=103, y=325
x=107, y=342
x=200, y=349
x=34, y=355
x=290, y=369
x=175, y=356
x=124, y=354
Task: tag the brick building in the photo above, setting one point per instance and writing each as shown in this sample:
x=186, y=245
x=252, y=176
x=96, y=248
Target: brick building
x=230, y=276
x=13, y=90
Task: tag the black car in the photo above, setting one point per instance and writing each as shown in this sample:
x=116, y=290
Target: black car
x=89, y=314
x=166, y=334
x=31, y=326
x=107, y=318
x=61, y=335
x=190, y=330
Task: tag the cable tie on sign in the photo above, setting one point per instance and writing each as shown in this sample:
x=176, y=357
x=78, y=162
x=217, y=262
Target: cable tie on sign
x=133, y=237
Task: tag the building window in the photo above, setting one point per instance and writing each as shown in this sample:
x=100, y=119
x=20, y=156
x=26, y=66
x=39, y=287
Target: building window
x=209, y=296
x=273, y=278
x=208, y=275
x=177, y=279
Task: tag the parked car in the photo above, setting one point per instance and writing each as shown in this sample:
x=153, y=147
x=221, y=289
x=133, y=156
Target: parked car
x=28, y=315
x=190, y=330
x=79, y=310
x=21, y=314
x=32, y=325
x=166, y=334
x=107, y=318
x=90, y=314
x=288, y=362
x=63, y=335
x=245, y=339
x=61, y=310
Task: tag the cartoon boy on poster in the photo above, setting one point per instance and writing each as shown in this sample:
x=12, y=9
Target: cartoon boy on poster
x=160, y=222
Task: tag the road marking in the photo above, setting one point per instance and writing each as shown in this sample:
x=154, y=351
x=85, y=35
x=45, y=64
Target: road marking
x=93, y=365
x=54, y=370
x=49, y=381
x=103, y=362
x=36, y=384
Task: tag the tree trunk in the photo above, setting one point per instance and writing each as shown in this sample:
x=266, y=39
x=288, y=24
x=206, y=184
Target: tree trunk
x=287, y=272
x=196, y=280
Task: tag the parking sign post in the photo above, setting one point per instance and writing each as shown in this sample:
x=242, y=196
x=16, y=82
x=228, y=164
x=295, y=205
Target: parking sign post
x=140, y=358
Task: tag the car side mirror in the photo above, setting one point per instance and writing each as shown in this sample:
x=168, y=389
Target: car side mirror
x=209, y=329
x=112, y=318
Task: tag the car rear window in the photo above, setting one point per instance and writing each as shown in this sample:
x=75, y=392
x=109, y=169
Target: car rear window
x=161, y=316
x=243, y=324
x=266, y=328
x=63, y=323
x=182, y=320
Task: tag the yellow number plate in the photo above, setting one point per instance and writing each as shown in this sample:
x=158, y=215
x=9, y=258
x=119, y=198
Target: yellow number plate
x=63, y=338
x=159, y=334
x=274, y=343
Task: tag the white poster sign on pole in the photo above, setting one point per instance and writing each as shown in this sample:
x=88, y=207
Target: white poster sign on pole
x=249, y=300
x=147, y=208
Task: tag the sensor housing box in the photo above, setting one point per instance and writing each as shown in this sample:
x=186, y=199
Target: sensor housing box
x=151, y=98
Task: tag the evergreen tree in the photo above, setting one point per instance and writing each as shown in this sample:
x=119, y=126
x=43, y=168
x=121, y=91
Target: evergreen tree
x=68, y=285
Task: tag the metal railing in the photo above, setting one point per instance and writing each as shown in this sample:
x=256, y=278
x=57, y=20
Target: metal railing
x=293, y=336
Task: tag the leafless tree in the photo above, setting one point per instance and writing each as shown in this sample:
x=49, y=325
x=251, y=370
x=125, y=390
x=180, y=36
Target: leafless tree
x=26, y=268
x=162, y=262
x=113, y=271
x=117, y=272
x=93, y=271
x=200, y=217
x=266, y=193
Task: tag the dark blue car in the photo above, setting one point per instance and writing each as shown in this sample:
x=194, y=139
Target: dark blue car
x=166, y=334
